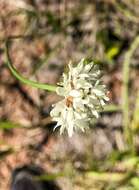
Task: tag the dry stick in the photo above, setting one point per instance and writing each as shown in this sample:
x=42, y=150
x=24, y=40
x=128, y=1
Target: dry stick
x=125, y=94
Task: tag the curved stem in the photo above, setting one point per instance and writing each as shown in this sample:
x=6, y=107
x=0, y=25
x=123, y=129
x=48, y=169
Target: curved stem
x=125, y=92
x=22, y=78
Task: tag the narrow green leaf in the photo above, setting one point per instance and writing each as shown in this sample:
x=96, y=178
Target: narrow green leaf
x=8, y=125
x=49, y=177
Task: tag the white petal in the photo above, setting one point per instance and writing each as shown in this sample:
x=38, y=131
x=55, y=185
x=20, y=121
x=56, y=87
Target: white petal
x=102, y=102
x=70, y=121
x=60, y=91
x=75, y=93
x=82, y=124
x=55, y=127
x=80, y=66
x=70, y=130
x=95, y=113
x=62, y=128
x=88, y=67
x=98, y=92
x=106, y=98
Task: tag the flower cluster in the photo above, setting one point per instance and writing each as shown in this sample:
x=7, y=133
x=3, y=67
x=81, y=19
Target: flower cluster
x=84, y=96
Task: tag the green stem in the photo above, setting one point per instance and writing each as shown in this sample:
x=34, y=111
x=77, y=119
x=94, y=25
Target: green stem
x=125, y=94
x=22, y=78
x=135, y=120
x=112, y=108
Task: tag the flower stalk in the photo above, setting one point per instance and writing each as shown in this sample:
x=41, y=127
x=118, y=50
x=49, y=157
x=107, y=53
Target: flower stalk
x=22, y=78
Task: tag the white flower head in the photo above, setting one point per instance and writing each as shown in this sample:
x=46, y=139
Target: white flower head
x=84, y=96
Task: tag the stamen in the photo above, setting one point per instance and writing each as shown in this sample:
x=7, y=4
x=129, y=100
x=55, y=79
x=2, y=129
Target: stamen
x=69, y=101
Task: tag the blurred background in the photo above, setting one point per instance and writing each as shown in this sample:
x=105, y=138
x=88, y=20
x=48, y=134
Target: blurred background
x=45, y=35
